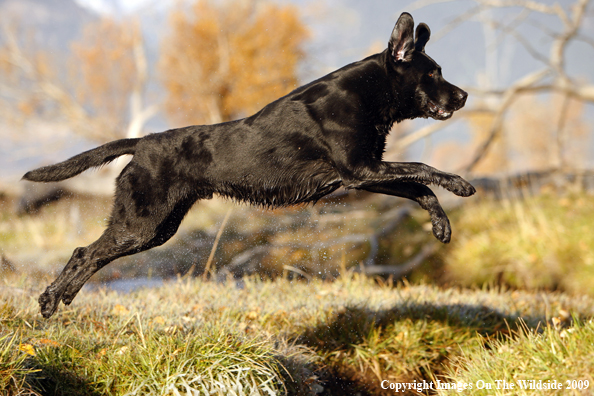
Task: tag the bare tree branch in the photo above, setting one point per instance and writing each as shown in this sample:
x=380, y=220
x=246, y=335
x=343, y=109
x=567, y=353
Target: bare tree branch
x=552, y=78
x=584, y=92
x=511, y=30
x=428, y=130
x=561, y=163
x=555, y=9
x=398, y=271
x=572, y=25
x=457, y=22
x=509, y=97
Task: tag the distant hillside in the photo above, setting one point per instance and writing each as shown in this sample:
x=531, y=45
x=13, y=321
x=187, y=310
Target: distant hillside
x=56, y=22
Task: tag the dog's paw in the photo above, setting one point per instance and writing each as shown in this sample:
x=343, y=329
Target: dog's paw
x=48, y=302
x=70, y=293
x=459, y=186
x=441, y=227
x=466, y=189
x=67, y=299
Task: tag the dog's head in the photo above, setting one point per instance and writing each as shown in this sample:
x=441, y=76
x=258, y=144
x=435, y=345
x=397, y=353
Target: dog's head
x=415, y=71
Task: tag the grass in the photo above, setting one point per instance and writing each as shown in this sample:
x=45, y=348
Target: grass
x=13, y=370
x=118, y=349
x=280, y=336
x=273, y=337
x=215, y=361
x=542, y=242
x=553, y=356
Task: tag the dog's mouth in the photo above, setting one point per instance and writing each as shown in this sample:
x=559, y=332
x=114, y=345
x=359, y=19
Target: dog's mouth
x=437, y=112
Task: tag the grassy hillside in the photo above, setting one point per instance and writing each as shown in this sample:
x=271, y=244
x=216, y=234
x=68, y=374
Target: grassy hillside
x=544, y=242
x=340, y=333
x=347, y=337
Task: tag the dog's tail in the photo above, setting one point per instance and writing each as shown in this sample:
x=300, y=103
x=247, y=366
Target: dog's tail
x=81, y=162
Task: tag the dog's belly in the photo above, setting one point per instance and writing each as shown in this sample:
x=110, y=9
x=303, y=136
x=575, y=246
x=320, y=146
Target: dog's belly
x=280, y=189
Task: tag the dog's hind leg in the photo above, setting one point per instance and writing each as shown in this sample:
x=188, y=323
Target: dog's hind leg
x=84, y=260
x=125, y=236
x=424, y=197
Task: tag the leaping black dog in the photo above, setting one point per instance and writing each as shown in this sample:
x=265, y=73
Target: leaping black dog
x=299, y=148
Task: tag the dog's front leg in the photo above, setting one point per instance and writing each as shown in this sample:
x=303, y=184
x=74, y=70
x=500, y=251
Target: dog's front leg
x=383, y=172
x=424, y=197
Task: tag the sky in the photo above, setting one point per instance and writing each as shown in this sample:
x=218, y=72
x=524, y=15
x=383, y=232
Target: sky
x=110, y=7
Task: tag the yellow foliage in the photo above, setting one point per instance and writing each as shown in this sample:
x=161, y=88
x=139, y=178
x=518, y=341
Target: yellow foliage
x=228, y=60
x=6, y=65
x=46, y=341
x=120, y=310
x=28, y=349
x=104, y=61
x=28, y=107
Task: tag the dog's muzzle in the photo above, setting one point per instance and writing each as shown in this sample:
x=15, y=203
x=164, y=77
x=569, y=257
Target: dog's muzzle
x=462, y=95
x=438, y=112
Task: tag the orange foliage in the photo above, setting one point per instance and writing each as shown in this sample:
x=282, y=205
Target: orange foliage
x=24, y=70
x=104, y=62
x=6, y=66
x=228, y=60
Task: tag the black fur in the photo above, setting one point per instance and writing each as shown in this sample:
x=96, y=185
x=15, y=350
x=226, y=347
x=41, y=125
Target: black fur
x=79, y=163
x=299, y=148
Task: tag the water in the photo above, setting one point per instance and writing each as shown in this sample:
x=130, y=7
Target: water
x=128, y=285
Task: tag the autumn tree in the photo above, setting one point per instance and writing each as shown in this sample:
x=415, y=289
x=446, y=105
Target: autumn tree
x=101, y=95
x=110, y=64
x=228, y=59
x=29, y=80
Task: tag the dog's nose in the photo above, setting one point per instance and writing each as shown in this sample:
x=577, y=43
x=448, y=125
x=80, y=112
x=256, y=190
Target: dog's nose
x=462, y=95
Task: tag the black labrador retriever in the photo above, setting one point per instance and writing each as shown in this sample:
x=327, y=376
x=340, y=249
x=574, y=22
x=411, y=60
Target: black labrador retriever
x=324, y=135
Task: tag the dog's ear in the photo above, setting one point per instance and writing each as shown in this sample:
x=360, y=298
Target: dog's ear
x=422, y=35
x=401, y=44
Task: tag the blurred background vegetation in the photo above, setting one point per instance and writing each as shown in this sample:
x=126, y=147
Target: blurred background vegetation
x=75, y=74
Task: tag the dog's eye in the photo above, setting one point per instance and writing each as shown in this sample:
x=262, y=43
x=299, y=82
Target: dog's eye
x=430, y=74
